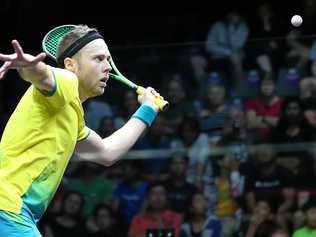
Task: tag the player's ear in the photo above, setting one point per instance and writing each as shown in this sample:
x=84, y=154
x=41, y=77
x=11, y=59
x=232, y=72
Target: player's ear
x=70, y=64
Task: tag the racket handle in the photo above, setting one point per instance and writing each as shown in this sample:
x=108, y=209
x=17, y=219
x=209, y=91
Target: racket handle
x=161, y=103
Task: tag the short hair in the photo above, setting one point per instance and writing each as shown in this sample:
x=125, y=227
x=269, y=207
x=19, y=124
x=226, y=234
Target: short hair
x=72, y=36
x=103, y=206
x=154, y=184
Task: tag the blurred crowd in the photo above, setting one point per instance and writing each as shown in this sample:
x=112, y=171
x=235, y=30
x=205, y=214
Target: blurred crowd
x=244, y=86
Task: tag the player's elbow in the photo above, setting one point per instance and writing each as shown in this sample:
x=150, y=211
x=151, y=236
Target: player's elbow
x=110, y=160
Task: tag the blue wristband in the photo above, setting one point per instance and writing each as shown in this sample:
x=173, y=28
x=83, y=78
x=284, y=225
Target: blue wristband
x=146, y=114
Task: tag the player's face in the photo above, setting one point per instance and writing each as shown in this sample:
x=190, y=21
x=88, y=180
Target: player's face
x=93, y=68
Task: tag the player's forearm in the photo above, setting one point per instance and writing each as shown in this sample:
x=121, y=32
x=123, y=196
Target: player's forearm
x=122, y=140
x=39, y=75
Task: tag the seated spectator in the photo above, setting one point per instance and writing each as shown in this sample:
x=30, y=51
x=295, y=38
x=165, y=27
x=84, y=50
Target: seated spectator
x=156, y=217
x=95, y=110
x=69, y=221
x=178, y=189
x=127, y=109
x=197, y=223
x=197, y=73
x=179, y=106
x=90, y=182
x=155, y=167
x=292, y=128
x=267, y=52
x=235, y=135
x=269, y=182
x=227, y=207
x=261, y=213
x=214, y=111
x=298, y=51
x=196, y=143
x=308, y=84
x=263, y=113
x=129, y=195
x=106, y=223
x=225, y=44
x=309, y=229
x=106, y=127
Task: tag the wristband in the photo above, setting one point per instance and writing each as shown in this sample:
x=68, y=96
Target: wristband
x=146, y=114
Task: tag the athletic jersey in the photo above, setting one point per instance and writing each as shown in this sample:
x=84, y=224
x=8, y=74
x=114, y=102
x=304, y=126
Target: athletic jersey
x=37, y=144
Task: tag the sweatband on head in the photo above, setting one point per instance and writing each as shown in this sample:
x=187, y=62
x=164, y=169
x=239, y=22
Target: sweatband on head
x=77, y=45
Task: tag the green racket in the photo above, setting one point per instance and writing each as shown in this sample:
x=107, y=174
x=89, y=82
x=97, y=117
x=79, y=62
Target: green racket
x=158, y=100
x=50, y=45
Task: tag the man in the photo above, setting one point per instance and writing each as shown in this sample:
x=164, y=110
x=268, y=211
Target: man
x=309, y=229
x=156, y=219
x=48, y=125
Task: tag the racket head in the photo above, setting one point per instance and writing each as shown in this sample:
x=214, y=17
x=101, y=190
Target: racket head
x=52, y=39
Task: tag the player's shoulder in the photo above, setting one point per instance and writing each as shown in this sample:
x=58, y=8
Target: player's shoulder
x=60, y=72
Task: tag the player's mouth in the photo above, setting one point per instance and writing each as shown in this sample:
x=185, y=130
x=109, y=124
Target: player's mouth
x=103, y=81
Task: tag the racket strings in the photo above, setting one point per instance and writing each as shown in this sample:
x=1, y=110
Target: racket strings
x=53, y=38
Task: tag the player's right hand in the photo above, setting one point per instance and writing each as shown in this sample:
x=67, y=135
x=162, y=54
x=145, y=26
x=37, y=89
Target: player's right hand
x=148, y=98
x=18, y=59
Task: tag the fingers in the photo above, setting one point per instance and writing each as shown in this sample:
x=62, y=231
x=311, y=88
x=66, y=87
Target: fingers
x=40, y=57
x=155, y=93
x=3, y=70
x=3, y=73
x=17, y=48
x=9, y=57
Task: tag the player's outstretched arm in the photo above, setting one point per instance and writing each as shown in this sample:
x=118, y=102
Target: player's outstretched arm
x=31, y=68
x=108, y=150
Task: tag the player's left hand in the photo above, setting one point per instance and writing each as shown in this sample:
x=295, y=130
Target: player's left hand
x=18, y=59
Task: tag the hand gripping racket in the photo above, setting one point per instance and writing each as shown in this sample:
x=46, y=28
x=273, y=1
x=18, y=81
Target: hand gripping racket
x=50, y=46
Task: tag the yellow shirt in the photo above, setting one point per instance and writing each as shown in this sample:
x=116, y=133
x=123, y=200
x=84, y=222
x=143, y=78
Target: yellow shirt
x=226, y=206
x=37, y=144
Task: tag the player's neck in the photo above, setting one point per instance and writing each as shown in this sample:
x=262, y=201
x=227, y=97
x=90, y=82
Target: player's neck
x=82, y=95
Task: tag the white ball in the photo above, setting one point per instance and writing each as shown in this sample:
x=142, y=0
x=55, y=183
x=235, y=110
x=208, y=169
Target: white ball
x=296, y=20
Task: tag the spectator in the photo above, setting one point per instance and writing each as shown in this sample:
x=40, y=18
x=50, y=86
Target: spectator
x=199, y=171
x=197, y=223
x=106, y=222
x=95, y=111
x=91, y=184
x=227, y=208
x=178, y=189
x=308, y=84
x=214, y=112
x=225, y=44
x=292, y=128
x=106, y=126
x=69, y=221
x=129, y=195
x=180, y=105
x=299, y=51
x=261, y=213
x=265, y=52
x=270, y=182
x=127, y=109
x=157, y=217
x=263, y=113
x=309, y=229
x=155, y=167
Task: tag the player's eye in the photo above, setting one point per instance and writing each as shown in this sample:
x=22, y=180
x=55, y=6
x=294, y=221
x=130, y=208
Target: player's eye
x=99, y=58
